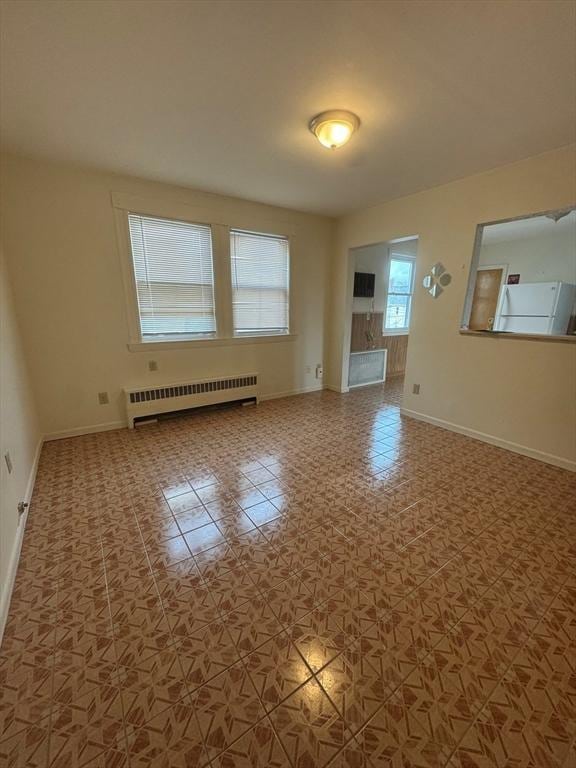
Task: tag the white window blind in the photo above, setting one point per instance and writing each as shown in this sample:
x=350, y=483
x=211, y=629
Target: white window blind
x=174, y=277
x=260, y=283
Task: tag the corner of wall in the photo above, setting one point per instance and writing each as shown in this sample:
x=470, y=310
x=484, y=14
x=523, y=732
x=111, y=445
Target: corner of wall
x=20, y=436
x=10, y=569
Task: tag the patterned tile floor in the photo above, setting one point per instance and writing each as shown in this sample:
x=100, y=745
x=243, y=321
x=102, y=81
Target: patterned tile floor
x=312, y=582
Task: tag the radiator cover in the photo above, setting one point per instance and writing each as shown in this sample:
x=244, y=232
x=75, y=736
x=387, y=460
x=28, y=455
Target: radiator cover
x=367, y=368
x=151, y=401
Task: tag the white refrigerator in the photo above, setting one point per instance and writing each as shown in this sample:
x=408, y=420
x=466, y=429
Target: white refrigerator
x=536, y=308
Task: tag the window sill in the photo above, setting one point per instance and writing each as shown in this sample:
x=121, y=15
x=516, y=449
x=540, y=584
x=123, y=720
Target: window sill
x=391, y=332
x=521, y=336
x=142, y=346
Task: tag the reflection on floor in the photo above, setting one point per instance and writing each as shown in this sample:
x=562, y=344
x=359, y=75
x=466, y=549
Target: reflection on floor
x=314, y=581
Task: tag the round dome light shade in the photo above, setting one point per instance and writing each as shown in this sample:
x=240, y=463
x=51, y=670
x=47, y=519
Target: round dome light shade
x=333, y=129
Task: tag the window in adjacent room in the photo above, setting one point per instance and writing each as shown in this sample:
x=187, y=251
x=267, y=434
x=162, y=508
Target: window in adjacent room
x=399, y=295
x=174, y=277
x=260, y=283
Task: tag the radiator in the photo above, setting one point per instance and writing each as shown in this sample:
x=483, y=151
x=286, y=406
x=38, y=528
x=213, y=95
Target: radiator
x=151, y=401
x=367, y=367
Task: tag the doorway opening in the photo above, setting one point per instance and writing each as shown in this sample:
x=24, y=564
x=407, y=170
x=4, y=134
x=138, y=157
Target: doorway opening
x=380, y=296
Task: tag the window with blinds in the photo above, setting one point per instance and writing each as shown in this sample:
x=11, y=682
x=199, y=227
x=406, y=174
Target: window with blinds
x=260, y=283
x=174, y=277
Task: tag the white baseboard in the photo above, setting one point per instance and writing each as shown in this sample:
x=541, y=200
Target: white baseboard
x=524, y=450
x=111, y=425
x=339, y=390
x=89, y=430
x=290, y=393
x=8, y=585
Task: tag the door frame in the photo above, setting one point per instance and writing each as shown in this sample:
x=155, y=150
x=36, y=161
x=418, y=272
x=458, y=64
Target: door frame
x=504, y=268
x=349, y=299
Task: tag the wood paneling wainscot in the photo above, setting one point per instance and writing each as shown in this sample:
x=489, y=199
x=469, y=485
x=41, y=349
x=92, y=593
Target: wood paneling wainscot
x=367, y=334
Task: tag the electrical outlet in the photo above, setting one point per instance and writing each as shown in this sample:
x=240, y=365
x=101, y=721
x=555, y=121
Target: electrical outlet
x=319, y=371
x=8, y=461
x=103, y=398
x=416, y=389
x=152, y=365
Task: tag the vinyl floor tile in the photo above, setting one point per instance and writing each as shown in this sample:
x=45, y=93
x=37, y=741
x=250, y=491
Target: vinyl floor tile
x=318, y=581
x=276, y=670
x=28, y=748
x=226, y=707
x=170, y=740
x=309, y=726
x=257, y=748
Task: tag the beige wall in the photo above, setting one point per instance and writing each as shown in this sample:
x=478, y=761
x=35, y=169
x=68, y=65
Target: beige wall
x=536, y=259
x=373, y=259
x=60, y=234
x=19, y=435
x=518, y=392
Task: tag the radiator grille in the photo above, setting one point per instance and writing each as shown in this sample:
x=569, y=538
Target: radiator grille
x=201, y=387
x=366, y=368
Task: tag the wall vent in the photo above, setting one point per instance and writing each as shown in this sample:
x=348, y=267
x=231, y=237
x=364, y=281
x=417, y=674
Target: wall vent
x=151, y=401
x=367, y=368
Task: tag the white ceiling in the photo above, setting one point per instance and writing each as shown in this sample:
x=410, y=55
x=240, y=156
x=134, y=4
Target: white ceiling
x=217, y=95
x=535, y=226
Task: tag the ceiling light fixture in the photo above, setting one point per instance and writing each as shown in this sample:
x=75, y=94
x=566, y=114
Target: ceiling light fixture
x=334, y=128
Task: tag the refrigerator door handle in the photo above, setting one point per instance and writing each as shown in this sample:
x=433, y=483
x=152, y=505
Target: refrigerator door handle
x=502, y=315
